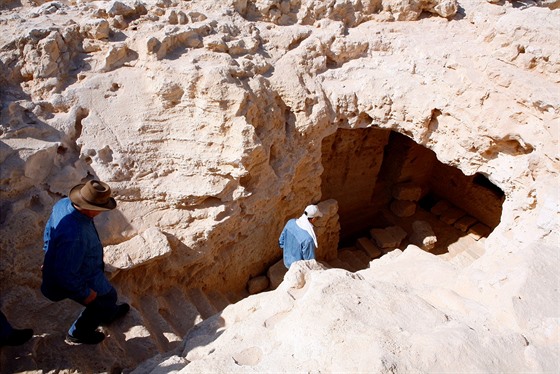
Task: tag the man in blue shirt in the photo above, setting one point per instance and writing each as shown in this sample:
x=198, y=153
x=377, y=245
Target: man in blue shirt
x=298, y=240
x=73, y=266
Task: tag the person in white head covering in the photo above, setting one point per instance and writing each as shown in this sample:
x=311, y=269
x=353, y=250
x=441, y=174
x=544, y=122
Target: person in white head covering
x=298, y=240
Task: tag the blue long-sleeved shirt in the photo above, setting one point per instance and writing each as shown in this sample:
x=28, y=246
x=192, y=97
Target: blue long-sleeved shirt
x=73, y=255
x=296, y=243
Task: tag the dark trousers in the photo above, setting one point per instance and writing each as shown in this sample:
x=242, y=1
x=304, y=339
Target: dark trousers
x=5, y=328
x=100, y=311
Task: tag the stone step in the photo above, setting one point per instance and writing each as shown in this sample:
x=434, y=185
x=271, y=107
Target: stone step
x=351, y=261
x=363, y=256
x=462, y=260
x=461, y=245
x=119, y=332
x=365, y=244
x=452, y=215
x=479, y=231
x=339, y=264
x=440, y=207
x=161, y=332
x=446, y=256
x=178, y=311
x=479, y=248
x=218, y=300
x=235, y=296
x=473, y=253
x=349, y=256
x=389, y=237
x=276, y=274
x=200, y=300
x=465, y=223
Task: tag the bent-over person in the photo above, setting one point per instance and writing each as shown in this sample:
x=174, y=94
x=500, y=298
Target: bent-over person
x=73, y=267
x=298, y=240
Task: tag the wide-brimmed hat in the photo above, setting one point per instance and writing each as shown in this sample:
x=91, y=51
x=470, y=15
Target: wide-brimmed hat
x=93, y=195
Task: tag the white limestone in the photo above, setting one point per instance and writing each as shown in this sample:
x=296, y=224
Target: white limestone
x=207, y=119
x=141, y=249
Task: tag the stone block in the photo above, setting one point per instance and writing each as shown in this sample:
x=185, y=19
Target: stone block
x=366, y=245
x=390, y=237
x=479, y=230
x=403, y=208
x=327, y=231
x=276, y=274
x=423, y=236
x=257, y=284
x=465, y=223
x=351, y=257
x=297, y=276
x=451, y=215
x=407, y=191
x=440, y=207
x=141, y=249
x=98, y=29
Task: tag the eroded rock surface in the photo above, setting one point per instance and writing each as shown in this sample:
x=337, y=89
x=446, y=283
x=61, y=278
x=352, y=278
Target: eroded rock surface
x=208, y=120
x=331, y=319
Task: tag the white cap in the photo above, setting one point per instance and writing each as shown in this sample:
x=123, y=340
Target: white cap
x=313, y=211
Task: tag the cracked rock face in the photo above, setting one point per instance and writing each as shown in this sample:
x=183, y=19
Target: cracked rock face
x=208, y=122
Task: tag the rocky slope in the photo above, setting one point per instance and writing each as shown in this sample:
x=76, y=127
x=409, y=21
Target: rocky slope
x=207, y=120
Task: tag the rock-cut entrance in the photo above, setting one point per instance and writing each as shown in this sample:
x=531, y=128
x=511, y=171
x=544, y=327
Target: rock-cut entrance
x=392, y=191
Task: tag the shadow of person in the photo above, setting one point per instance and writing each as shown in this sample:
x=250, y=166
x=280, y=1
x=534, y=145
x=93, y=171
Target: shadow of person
x=131, y=336
x=129, y=341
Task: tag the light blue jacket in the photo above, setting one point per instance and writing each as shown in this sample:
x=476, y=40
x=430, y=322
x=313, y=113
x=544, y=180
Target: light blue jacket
x=296, y=243
x=73, y=255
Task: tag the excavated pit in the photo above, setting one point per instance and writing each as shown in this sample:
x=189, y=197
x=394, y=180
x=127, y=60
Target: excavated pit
x=393, y=192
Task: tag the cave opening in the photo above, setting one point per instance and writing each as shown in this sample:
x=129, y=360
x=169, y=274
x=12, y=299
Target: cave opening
x=392, y=192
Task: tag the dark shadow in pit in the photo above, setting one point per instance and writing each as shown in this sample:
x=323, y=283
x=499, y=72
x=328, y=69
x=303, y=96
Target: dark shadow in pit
x=394, y=192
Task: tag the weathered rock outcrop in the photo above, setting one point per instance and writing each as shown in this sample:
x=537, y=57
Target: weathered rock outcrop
x=375, y=320
x=209, y=121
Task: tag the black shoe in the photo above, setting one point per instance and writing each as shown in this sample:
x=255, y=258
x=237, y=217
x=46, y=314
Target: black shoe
x=18, y=337
x=122, y=309
x=93, y=337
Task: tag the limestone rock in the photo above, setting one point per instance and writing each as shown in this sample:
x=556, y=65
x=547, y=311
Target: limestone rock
x=98, y=29
x=141, y=249
x=276, y=274
x=216, y=122
x=422, y=235
x=550, y=4
x=331, y=295
x=125, y=8
x=452, y=215
x=445, y=9
x=116, y=56
x=407, y=191
x=465, y=222
x=47, y=8
x=327, y=228
x=365, y=244
x=297, y=276
x=403, y=208
x=440, y=207
x=479, y=230
x=349, y=12
x=257, y=284
x=389, y=237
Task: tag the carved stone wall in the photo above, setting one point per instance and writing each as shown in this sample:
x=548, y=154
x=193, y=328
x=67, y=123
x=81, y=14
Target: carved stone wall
x=364, y=167
x=351, y=160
